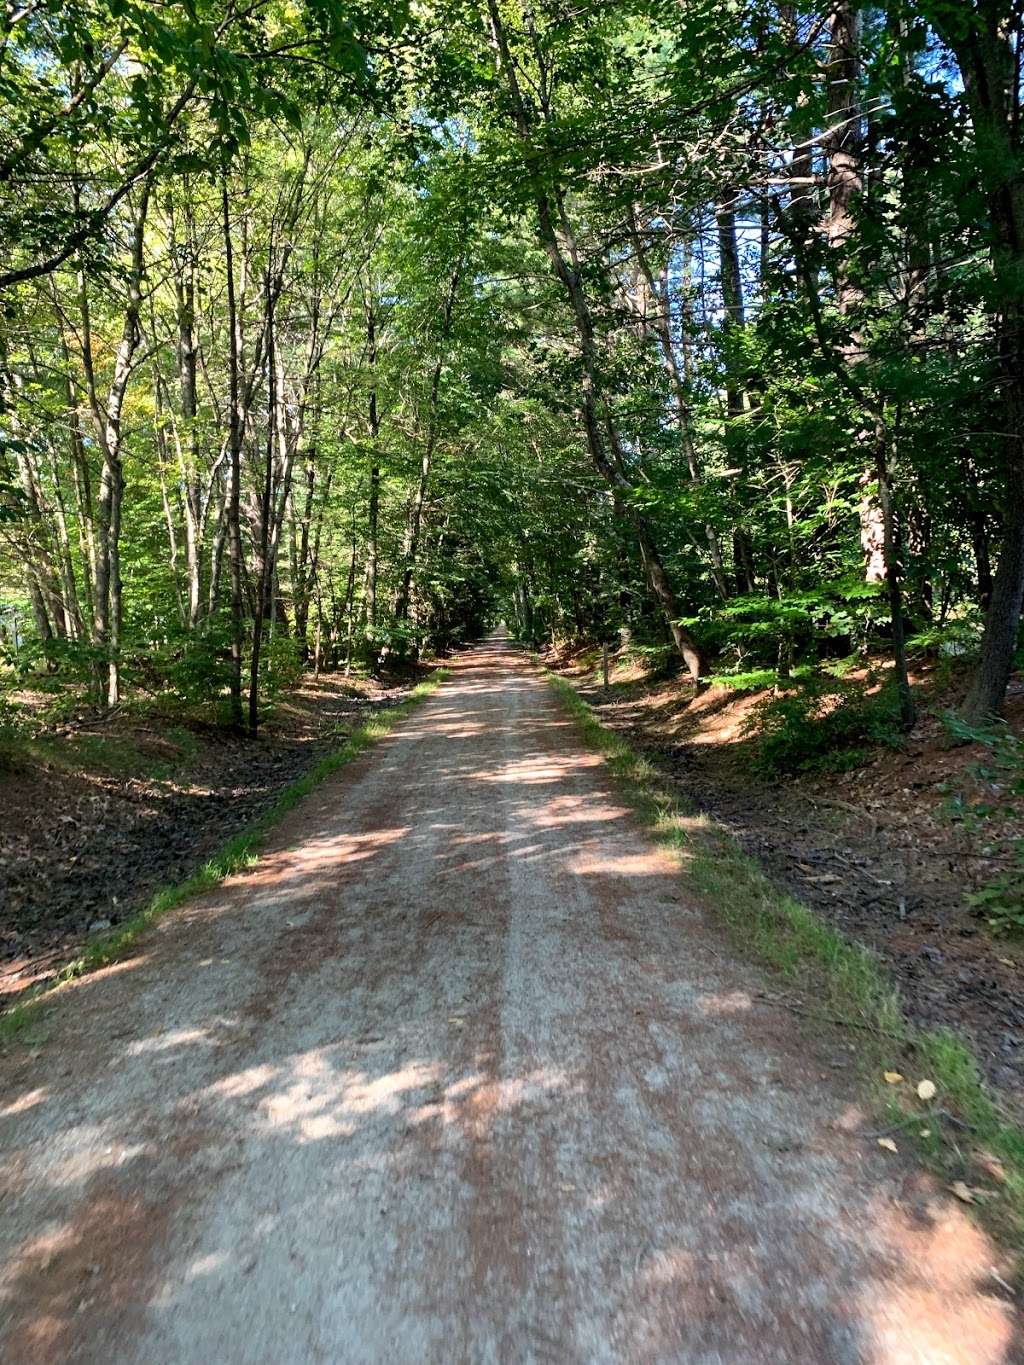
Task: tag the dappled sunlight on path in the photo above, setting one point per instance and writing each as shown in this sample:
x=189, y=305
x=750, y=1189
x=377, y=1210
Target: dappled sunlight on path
x=461, y=1071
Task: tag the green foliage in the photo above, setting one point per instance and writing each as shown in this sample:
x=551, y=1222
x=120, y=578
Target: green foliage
x=191, y=668
x=751, y=680
x=752, y=630
x=12, y=733
x=824, y=725
x=104, y=89
x=955, y=639
x=282, y=666
x=372, y=167
x=1001, y=900
x=1003, y=769
x=1001, y=774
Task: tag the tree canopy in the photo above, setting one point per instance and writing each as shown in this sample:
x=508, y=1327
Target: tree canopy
x=334, y=333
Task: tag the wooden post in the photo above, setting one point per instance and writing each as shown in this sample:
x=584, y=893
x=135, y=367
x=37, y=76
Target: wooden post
x=604, y=664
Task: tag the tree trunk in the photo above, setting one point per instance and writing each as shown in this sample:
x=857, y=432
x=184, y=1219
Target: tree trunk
x=41, y=579
x=891, y=559
x=373, y=509
x=982, y=46
x=412, y=534
x=733, y=318
x=188, y=445
x=107, y=596
x=348, y=608
x=82, y=478
x=233, y=509
x=662, y=328
x=976, y=521
x=843, y=180
x=65, y=560
x=265, y=580
x=302, y=577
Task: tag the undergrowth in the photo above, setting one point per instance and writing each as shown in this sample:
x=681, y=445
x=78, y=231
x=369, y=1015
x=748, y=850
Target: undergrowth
x=240, y=852
x=848, y=984
x=994, y=817
x=824, y=724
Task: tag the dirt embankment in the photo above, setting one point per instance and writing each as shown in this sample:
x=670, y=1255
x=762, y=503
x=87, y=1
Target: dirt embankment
x=875, y=850
x=98, y=815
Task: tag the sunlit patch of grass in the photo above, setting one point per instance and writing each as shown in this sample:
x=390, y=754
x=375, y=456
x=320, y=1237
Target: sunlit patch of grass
x=238, y=853
x=849, y=985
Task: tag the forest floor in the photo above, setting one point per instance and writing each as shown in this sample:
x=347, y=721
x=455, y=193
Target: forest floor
x=875, y=850
x=463, y=1069
x=98, y=813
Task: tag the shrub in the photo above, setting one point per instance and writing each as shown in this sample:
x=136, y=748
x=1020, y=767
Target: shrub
x=183, y=668
x=11, y=735
x=1001, y=900
x=281, y=668
x=824, y=724
x=754, y=632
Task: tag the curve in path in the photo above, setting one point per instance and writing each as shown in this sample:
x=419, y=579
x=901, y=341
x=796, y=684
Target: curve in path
x=461, y=1072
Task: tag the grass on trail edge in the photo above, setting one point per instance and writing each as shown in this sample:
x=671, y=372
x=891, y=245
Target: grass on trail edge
x=239, y=852
x=964, y=1127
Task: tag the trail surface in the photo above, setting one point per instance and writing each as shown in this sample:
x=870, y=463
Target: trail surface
x=461, y=1072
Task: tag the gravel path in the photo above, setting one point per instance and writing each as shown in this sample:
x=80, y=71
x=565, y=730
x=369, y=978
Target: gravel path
x=461, y=1072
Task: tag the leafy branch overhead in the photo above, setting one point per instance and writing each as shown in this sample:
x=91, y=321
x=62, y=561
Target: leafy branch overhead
x=346, y=329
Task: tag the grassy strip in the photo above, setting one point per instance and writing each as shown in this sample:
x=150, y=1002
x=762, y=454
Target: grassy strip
x=239, y=852
x=964, y=1127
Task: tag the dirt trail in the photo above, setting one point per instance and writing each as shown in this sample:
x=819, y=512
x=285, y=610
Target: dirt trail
x=460, y=1073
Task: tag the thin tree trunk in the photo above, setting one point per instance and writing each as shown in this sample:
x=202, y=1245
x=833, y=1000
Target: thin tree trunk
x=81, y=476
x=235, y=417
x=264, y=586
x=843, y=181
x=188, y=445
x=65, y=559
x=301, y=572
x=975, y=511
x=987, y=62
x=373, y=509
x=107, y=595
x=662, y=328
x=891, y=555
x=172, y=533
x=348, y=606
x=40, y=576
x=412, y=534
x=217, y=555
x=733, y=319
